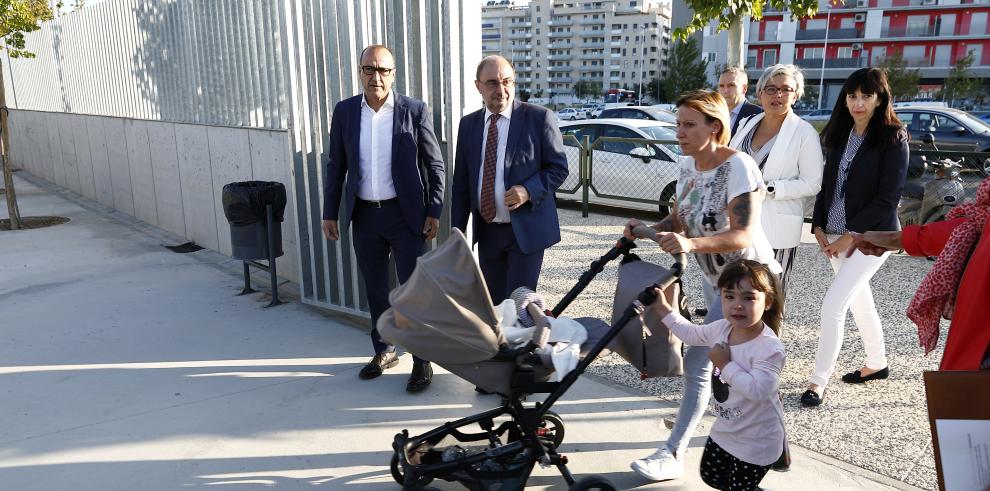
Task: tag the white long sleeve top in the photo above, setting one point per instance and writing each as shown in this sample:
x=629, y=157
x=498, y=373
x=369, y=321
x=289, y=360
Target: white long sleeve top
x=749, y=422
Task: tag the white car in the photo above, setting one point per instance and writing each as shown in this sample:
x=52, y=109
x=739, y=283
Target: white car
x=626, y=174
x=569, y=114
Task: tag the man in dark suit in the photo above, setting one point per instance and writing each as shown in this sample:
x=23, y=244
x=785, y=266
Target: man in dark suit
x=509, y=163
x=732, y=84
x=385, y=158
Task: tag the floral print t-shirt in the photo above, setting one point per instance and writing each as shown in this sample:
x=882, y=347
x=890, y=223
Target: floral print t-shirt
x=703, y=199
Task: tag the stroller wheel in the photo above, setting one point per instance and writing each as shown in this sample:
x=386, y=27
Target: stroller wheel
x=400, y=478
x=552, y=428
x=592, y=482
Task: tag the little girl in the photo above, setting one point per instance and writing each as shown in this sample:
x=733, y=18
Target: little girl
x=748, y=434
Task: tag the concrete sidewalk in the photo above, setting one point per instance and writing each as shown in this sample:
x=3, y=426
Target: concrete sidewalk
x=126, y=366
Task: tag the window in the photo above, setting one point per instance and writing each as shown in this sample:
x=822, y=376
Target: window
x=845, y=52
x=769, y=57
x=619, y=132
x=813, y=53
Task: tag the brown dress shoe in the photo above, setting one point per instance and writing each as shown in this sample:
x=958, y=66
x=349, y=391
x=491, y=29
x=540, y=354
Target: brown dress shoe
x=421, y=377
x=379, y=364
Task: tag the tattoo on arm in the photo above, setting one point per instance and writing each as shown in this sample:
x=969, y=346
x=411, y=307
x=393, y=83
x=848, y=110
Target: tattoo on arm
x=742, y=209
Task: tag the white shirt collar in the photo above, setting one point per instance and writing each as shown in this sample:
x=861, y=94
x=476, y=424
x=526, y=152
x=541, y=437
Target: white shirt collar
x=507, y=114
x=735, y=110
x=389, y=100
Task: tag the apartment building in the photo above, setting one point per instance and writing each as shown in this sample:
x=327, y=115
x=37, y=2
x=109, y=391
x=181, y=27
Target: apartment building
x=556, y=43
x=931, y=35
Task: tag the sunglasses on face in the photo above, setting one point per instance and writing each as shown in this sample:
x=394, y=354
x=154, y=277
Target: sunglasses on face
x=494, y=84
x=774, y=90
x=370, y=70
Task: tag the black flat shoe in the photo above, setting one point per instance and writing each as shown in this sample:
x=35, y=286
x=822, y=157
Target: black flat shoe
x=482, y=391
x=378, y=364
x=811, y=398
x=856, y=378
x=421, y=377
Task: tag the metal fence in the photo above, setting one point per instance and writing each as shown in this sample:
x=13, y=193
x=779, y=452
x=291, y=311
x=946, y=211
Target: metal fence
x=623, y=172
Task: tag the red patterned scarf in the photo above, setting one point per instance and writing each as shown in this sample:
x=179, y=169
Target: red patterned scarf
x=936, y=296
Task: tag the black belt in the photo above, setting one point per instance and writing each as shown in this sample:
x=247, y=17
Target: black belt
x=377, y=204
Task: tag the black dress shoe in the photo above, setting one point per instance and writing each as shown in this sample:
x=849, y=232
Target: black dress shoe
x=856, y=378
x=421, y=377
x=379, y=364
x=481, y=390
x=811, y=398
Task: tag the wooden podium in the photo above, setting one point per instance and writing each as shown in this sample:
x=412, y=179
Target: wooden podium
x=959, y=404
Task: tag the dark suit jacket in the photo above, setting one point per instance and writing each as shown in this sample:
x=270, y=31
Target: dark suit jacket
x=745, y=111
x=417, y=164
x=873, y=187
x=534, y=158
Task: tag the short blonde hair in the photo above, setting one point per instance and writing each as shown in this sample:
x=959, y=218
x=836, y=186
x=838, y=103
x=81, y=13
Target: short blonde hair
x=781, y=69
x=713, y=106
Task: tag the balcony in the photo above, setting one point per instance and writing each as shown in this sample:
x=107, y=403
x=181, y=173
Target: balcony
x=489, y=49
x=593, y=22
x=560, y=22
x=592, y=56
x=560, y=45
x=598, y=33
x=911, y=32
x=593, y=44
x=566, y=68
x=520, y=35
x=829, y=62
x=561, y=80
x=560, y=57
x=490, y=36
x=520, y=58
x=808, y=34
x=560, y=34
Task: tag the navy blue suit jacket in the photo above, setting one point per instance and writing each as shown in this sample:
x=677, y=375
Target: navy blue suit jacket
x=534, y=158
x=873, y=187
x=745, y=111
x=417, y=163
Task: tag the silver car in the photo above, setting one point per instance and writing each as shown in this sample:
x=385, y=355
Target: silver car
x=627, y=174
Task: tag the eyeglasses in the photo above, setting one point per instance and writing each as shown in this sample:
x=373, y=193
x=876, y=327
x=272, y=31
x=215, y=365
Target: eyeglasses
x=370, y=70
x=774, y=90
x=494, y=84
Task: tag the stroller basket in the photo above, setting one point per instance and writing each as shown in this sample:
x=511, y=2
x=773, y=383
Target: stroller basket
x=444, y=314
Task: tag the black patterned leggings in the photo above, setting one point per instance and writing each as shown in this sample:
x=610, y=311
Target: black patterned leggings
x=720, y=470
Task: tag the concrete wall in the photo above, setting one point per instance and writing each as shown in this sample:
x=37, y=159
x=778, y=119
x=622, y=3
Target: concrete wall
x=170, y=175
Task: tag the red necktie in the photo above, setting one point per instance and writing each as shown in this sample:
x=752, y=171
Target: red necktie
x=487, y=204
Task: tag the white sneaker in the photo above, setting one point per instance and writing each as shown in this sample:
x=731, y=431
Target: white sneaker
x=659, y=466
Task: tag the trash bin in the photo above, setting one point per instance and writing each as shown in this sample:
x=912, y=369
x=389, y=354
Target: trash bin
x=245, y=205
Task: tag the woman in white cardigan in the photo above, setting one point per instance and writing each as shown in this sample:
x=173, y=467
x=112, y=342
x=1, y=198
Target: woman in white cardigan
x=789, y=153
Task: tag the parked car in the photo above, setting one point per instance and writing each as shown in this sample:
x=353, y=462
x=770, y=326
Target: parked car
x=639, y=112
x=981, y=115
x=569, y=114
x=596, y=111
x=643, y=171
x=588, y=107
x=953, y=129
x=818, y=115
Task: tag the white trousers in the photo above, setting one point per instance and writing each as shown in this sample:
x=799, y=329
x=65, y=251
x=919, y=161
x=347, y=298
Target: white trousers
x=850, y=290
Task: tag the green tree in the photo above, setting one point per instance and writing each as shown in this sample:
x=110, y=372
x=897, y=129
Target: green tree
x=587, y=88
x=655, y=88
x=903, y=82
x=727, y=12
x=16, y=18
x=960, y=83
x=687, y=69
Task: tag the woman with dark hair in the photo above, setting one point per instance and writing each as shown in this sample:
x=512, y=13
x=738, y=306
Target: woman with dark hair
x=865, y=167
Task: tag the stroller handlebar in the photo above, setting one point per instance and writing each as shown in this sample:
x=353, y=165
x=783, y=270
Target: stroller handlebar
x=645, y=232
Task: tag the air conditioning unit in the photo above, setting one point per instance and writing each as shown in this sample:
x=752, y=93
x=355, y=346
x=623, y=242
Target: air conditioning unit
x=859, y=17
x=862, y=3
x=857, y=46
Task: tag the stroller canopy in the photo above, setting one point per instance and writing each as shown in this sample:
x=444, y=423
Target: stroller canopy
x=443, y=313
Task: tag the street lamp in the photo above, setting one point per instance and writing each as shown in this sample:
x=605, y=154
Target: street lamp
x=821, y=78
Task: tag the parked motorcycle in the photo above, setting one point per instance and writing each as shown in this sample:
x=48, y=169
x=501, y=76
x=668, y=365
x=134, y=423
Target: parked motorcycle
x=925, y=202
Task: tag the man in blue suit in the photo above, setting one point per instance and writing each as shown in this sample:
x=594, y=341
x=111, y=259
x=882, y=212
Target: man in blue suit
x=384, y=156
x=508, y=164
x=733, y=83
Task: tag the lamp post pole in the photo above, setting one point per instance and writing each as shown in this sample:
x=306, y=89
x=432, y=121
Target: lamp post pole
x=821, y=78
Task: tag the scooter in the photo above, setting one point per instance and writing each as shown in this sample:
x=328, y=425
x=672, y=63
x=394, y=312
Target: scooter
x=932, y=201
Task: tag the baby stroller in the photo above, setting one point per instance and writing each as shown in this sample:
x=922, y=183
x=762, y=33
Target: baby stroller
x=444, y=314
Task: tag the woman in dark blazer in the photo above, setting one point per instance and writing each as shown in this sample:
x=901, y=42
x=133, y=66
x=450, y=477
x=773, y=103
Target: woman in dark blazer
x=865, y=167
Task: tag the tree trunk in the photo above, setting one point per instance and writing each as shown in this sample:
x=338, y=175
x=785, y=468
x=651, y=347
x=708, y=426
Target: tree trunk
x=8, y=176
x=735, y=54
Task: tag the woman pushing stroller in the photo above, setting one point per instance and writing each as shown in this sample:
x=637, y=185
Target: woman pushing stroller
x=716, y=216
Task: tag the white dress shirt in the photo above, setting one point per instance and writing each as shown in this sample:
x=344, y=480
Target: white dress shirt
x=734, y=114
x=501, y=210
x=375, y=152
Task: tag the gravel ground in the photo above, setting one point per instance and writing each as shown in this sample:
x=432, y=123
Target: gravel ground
x=881, y=426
